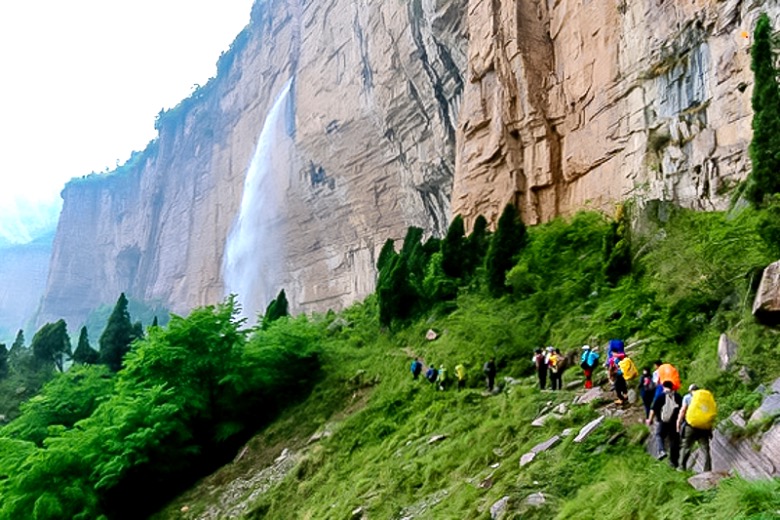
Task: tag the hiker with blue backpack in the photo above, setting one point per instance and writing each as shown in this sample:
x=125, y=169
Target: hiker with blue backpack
x=588, y=361
x=416, y=368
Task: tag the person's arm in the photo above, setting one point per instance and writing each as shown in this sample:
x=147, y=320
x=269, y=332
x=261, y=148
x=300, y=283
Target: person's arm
x=681, y=416
x=650, y=417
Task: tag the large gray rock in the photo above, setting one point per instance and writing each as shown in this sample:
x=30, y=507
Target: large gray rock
x=588, y=429
x=546, y=445
x=766, y=306
x=591, y=395
x=727, y=352
x=770, y=407
x=706, y=480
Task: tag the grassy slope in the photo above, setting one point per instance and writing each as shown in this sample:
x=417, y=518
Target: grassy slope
x=379, y=456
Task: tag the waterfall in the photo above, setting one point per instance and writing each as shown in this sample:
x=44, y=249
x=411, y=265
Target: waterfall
x=254, y=251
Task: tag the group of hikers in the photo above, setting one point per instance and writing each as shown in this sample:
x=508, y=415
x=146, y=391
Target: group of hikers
x=678, y=422
x=438, y=376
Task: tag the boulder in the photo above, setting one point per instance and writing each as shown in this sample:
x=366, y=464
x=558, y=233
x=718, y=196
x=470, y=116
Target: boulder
x=727, y=352
x=588, y=429
x=632, y=396
x=498, y=510
x=770, y=407
x=776, y=386
x=431, y=335
x=591, y=395
x=766, y=306
x=706, y=480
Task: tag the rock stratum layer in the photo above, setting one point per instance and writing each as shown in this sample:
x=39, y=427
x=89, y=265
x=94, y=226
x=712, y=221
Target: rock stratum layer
x=405, y=113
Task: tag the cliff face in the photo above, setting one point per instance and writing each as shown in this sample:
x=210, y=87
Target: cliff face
x=404, y=113
x=23, y=270
x=375, y=93
x=580, y=103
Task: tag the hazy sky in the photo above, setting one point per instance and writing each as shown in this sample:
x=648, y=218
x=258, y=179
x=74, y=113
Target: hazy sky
x=82, y=81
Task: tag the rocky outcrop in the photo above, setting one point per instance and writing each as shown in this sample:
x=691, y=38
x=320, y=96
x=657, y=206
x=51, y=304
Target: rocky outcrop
x=766, y=306
x=575, y=103
x=374, y=108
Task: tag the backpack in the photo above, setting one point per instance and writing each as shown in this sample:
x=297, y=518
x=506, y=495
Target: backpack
x=702, y=410
x=554, y=363
x=667, y=372
x=669, y=408
x=628, y=368
x=432, y=374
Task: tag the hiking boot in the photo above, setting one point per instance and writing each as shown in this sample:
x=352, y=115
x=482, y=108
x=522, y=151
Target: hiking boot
x=661, y=455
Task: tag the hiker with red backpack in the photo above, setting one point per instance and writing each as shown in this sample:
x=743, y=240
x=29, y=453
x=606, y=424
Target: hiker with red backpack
x=695, y=423
x=665, y=411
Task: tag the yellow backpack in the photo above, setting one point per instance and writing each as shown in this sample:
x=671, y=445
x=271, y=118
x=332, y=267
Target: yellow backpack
x=628, y=368
x=702, y=410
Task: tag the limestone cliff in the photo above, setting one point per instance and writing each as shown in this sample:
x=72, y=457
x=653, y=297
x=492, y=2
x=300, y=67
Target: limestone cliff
x=23, y=270
x=407, y=112
x=375, y=94
x=581, y=103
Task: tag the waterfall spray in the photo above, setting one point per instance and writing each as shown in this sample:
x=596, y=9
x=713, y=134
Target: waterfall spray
x=254, y=250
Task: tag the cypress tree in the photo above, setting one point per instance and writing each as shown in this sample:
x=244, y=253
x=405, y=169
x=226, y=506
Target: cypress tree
x=84, y=352
x=386, y=254
x=117, y=336
x=276, y=309
x=453, y=248
x=476, y=245
x=51, y=344
x=765, y=146
x=507, y=241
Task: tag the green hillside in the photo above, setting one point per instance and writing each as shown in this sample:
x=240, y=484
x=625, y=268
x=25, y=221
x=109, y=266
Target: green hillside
x=377, y=452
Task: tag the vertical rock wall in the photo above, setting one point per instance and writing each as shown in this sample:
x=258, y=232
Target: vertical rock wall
x=582, y=103
x=375, y=105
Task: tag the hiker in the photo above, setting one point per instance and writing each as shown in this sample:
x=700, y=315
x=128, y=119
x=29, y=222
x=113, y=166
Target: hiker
x=588, y=360
x=646, y=390
x=621, y=387
x=416, y=368
x=432, y=374
x=666, y=411
x=665, y=372
x=695, y=424
x=540, y=362
x=615, y=352
x=460, y=373
x=490, y=373
x=442, y=377
x=555, y=362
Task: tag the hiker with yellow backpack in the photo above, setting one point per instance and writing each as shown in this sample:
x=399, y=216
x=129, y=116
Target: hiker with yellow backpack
x=695, y=422
x=626, y=371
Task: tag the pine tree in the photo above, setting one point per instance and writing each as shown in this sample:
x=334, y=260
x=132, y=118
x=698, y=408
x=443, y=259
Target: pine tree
x=453, y=248
x=154, y=321
x=84, y=352
x=507, y=241
x=386, y=254
x=477, y=245
x=276, y=309
x=765, y=146
x=51, y=344
x=117, y=336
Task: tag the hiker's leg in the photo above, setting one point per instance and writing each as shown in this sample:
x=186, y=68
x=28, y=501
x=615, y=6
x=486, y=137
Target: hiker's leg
x=686, y=443
x=704, y=441
x=659, y=438
x=674, y=446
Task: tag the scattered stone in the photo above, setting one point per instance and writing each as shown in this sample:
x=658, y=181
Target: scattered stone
x=544, y=446
x=527, y=458
x=498, y=509
x=567, y=432
x=744, y=375
x=498, y=452
x=561, y=409
x=727, y=352
x=487, y=483
x=590, y=396
x=318, y=436
x=283, y=456
x=535, y=499
x=496, y=465
x=184, y=509
x=588, y=429
x=357, y=513
x=436, y=438
x=541, y=421
x=706, y=480
x=431, y=335
x=574, y=384
x=632, y=396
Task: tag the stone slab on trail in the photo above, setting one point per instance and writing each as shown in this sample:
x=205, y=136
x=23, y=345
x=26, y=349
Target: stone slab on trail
x=591, y=395
x=706, y=480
